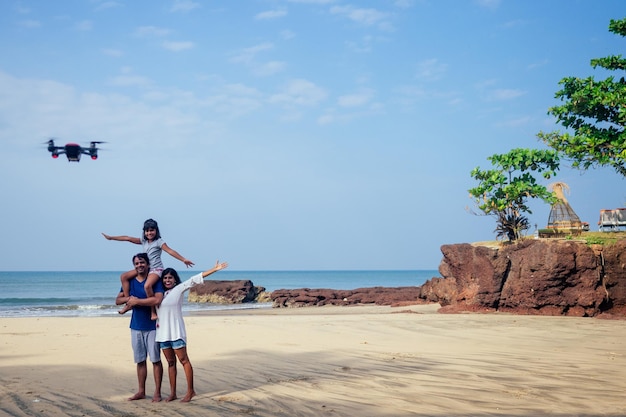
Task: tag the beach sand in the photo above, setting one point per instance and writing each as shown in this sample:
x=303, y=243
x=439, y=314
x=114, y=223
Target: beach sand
x=325, y=361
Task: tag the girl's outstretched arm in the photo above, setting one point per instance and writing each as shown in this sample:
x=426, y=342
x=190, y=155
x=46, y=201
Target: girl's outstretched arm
x=218, y=267
x=130, y=239
x=177, y=255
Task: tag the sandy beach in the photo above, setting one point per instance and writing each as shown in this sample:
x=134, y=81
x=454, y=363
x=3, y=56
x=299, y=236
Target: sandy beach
x=335, y=361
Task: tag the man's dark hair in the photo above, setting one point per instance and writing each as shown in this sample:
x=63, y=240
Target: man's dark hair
x=143, y=256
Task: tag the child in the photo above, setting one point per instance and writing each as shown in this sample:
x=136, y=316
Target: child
x=153, y=245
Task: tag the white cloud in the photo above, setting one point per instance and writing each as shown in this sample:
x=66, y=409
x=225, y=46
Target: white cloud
x=151, y=31
x=112, y=52
x=538, y=64
x=505, y=94
x=248, y=55
x=268, y=68
x=430, y=69
x=355, y=100
x=177, y=46
x=287, y=34
x=85, y=25
x=403, y=4
x=363, y=16
x=22, y=9
x=513, y=23
x=129, y=80
x=299, y=92
x=325, y=119
x=489, y=4
x=366, y=44
x=107, y=5
x=184, y=6
x=271, y=14
x=234, y=100
x=62, y=110
x=30, y=23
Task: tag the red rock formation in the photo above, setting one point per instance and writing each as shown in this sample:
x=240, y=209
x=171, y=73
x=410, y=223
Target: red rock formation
x=319, y=297
x=546, y=277
x=225, y=292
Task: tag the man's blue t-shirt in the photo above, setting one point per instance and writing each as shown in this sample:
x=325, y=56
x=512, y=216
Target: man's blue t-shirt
x=140, y=319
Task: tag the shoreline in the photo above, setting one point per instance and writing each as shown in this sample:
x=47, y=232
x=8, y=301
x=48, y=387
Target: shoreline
x=312, y=361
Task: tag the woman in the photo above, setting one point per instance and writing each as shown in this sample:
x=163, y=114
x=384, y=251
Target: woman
x=170, y=331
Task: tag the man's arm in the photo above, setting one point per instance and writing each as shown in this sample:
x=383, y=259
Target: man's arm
x=146, y=302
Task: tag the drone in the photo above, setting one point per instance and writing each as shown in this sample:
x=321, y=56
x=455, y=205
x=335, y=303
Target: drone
x=73, y=151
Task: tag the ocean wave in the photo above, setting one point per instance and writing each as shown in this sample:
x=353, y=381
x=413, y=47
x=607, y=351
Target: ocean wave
x=68, y=310
x=31, y=301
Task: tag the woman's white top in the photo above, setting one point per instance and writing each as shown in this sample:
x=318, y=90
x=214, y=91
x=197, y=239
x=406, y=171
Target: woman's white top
x=170, y=324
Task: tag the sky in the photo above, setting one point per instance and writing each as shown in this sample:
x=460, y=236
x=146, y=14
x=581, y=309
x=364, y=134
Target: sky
x=280, y=134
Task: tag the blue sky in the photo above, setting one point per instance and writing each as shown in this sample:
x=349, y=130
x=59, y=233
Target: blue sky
x=279, y=134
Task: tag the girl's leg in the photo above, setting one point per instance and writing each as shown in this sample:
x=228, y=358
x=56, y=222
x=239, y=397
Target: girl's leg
x=150, y=281
x=125, y=279
x=171, y=372
x=181, y=353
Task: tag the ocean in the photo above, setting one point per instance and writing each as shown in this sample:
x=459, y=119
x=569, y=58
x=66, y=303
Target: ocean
x=86, y=294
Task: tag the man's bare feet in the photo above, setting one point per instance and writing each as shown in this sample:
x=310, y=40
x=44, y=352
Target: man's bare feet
x=124, y=309
x=188, y=397
x=138, y=396
x=171, y=398
x=156, y=398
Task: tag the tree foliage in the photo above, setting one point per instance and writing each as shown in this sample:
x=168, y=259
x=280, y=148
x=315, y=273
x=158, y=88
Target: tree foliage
x=504, y=190
x=594, y=111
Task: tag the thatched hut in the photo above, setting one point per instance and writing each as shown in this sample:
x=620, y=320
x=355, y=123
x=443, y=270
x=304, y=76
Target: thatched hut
x=563, y=219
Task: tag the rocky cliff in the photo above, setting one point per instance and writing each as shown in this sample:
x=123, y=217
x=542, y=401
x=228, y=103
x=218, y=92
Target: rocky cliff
x=543, y=276
x=533, y=276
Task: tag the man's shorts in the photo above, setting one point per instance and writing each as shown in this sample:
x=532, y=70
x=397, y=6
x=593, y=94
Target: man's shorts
x=144, y=344
x=176, y=344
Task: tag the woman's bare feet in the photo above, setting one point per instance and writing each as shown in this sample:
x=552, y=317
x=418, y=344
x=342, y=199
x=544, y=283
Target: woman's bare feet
x=188, y=397
x=156, y=398
x=138, y=396
x=171, y=398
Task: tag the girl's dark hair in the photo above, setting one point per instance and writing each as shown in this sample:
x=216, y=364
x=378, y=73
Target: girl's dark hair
x=172, y=272
x=151, y=224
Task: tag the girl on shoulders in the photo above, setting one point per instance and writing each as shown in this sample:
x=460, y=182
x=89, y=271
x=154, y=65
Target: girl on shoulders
x=153, y=245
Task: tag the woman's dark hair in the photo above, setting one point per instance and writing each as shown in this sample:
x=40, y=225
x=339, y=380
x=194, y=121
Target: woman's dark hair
x=152, y=224
x=172, y=272
x=143, y=256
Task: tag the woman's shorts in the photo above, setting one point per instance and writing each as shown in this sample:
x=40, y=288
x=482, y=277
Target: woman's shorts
x=176, y=344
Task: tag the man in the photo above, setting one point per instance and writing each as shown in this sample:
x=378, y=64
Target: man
x=142, y=328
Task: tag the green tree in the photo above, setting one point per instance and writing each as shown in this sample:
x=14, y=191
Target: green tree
x=595, y=113
x=504, y=191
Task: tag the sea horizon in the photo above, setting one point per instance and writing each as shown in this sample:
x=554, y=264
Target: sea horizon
x=92, y=293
